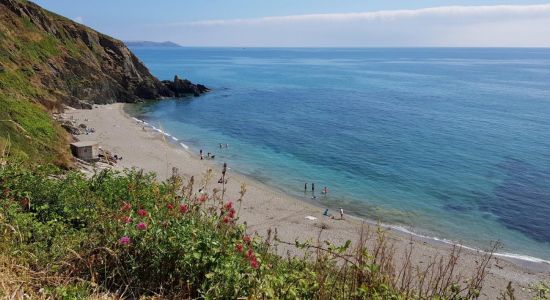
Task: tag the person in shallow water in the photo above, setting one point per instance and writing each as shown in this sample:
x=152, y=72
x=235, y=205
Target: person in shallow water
x=305, y=187
x=313, y=187
x=325, y=190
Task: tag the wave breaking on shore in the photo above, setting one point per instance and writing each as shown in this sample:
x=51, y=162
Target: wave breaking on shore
x=398, y=228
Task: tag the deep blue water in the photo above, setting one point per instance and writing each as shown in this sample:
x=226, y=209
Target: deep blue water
x=451, y=143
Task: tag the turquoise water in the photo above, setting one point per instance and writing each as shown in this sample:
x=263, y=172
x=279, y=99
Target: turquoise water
x=448, y=143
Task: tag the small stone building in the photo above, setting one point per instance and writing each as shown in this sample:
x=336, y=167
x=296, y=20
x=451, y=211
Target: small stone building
x=87, y=151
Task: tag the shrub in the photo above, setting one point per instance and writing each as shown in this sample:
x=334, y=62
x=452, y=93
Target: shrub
x=128, y=234
x=541, y=290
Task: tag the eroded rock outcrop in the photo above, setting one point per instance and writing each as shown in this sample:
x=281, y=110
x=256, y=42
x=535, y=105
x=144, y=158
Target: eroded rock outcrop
x=182, y=87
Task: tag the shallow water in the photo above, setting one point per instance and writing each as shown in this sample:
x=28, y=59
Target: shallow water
x=451, y=143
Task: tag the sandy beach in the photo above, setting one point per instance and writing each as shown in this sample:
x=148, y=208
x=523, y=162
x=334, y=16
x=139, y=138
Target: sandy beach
x=265, y=208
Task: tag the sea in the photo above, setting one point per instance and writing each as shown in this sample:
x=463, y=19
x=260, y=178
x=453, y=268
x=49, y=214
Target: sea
x=448, y=143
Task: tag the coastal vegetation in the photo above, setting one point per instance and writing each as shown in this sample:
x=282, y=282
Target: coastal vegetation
x=66, y=236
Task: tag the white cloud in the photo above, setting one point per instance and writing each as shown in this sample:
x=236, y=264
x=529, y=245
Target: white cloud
x=499, y=11
x=499, y=26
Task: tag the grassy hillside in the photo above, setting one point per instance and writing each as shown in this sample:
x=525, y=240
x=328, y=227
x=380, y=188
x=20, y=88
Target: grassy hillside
x=28, y=132
x=24, y=119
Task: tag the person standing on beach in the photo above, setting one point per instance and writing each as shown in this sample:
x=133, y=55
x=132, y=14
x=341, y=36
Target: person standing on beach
x=201, y=154
x=341, y=213
x=305, y=187
x=313, y=187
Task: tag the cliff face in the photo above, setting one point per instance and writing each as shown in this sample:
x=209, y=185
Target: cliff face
x=47, y=61
x=83, y=66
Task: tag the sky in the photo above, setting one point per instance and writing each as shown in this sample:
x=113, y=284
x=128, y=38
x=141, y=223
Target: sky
x=317, y=23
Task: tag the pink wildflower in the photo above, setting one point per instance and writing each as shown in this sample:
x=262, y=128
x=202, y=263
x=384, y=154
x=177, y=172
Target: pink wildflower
x=226, y=219
x=239, y=247
x=203, y=198
x=184, y=208
x=228, y=205
x=250, y=253
x=254, y=263
x=142, y=212
x=247, y=239
x=127, y=219
x=125, y=206
x=170, y=206
x=141, y=226
x=232, y=213
x=125, y=240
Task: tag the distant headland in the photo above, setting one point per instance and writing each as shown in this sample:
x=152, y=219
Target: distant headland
x=150, y=44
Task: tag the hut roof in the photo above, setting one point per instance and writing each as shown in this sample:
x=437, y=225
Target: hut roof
x=84, y=144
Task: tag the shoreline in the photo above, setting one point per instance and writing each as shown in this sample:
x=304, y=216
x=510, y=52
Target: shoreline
x=273, y=207
x=528, y=261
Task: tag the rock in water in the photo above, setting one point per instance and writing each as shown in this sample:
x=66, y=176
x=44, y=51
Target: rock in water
x=184, y=87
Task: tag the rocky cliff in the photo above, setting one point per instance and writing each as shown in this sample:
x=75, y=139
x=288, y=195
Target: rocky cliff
x=76, y=64
x=48, y=61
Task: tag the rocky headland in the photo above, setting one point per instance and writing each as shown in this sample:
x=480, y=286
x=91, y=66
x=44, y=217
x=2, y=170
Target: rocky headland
x=81, y=66
x=150, y=44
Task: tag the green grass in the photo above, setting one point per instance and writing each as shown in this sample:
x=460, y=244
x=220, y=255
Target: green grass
x=4, y=55
x=27, y=23
x=17, y=82
x=32, y=132
x=73, y=48
x=36, y=52
x=32, y=118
